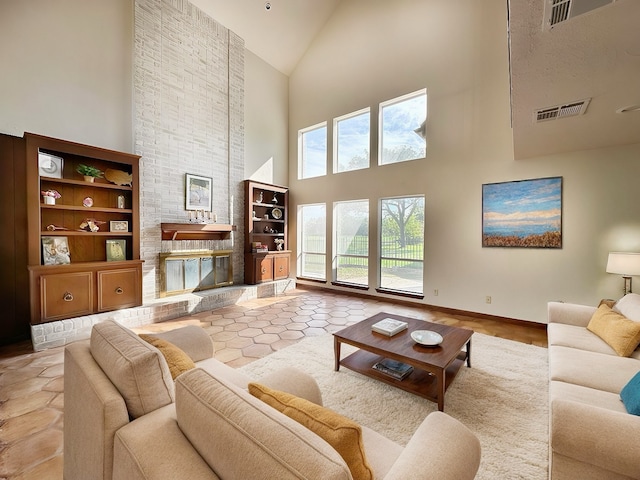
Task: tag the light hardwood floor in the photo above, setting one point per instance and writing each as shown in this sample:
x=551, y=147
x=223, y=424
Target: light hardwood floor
x=31, y=384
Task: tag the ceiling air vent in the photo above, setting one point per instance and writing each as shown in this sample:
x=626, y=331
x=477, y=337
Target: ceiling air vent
x=559, y=11
x=561, y=111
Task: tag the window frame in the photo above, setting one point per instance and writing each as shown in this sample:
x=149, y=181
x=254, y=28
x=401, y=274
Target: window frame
x=301, y=149
x=395, y=101
x=336, y=145
x=302, y=252
x=381, y=258
x=336, y=255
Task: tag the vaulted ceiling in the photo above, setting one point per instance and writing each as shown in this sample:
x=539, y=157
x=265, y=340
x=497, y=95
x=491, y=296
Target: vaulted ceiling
x=595, y=56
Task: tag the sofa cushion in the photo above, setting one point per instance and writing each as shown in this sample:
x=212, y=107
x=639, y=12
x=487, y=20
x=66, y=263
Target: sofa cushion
x=622, y=334
x=594, y=370
x=588, y=396
x=241, y=437
x=137, y=369
x=178, y=361
x=340, y=432
x=630, y=395
x=577, y=337
x=153, y=447
x=629, y=306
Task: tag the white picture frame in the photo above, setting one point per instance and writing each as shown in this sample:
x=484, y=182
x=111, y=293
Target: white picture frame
x=55, y=250
x=118, y=226
x=50, y=165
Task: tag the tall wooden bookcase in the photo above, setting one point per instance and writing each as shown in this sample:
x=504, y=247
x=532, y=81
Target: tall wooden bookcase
x=266, y=220
x=70, y=271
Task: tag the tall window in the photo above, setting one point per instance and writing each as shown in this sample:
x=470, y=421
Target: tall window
x=312, y=241
x=312, y=151
x=351, y=141
x=403, y=133
x=402, y=244
x=351, y=244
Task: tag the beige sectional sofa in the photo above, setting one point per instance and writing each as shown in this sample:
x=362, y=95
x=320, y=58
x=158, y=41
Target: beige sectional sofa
x=591, y=434
x=126, y=418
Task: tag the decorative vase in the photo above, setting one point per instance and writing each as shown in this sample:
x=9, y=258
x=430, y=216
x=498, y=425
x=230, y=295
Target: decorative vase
x=89, y=178
x=49, y=200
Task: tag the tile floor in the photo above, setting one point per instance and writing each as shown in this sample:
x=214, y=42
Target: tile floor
x=31, y=384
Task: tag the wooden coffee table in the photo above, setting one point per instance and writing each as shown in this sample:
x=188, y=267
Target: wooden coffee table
x=434, y=367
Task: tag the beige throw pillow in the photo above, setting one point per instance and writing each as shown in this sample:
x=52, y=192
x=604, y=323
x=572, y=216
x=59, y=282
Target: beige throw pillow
x=620, y=333
x=338, y=431
x=137, y=369
x=178, y=361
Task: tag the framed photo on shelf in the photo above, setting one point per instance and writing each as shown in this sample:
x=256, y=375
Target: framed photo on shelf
x=116, y=250
x=118, y=226
x=55, y=251
x=522, y=213
x=198, y=192
x=50, y=165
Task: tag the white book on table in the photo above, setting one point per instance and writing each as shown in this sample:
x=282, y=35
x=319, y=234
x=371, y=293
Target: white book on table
x=389, y=326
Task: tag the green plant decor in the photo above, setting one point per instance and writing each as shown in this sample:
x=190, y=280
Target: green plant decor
x=89, y=171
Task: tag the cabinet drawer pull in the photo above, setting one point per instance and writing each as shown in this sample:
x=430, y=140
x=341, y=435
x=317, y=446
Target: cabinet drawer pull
x=67, y=297
x=281, y=268
x=119, y=291
x=264, y=270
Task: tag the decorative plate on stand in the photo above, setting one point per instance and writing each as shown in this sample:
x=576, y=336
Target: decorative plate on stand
x=276, y=213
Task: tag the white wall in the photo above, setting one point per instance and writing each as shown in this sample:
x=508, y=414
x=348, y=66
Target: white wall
x=266, y=122
x=371, y=51
x=66, y=70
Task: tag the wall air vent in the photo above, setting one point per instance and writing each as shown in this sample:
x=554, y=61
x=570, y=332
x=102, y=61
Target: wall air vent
x=561, y=111
x=559, y=11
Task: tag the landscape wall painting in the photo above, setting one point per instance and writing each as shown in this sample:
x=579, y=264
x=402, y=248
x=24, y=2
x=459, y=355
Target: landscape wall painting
x=524, y=213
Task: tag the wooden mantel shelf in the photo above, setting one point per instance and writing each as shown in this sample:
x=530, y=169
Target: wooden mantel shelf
x=196, y=231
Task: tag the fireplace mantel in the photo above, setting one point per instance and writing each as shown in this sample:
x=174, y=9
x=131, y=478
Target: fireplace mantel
x=196, y=231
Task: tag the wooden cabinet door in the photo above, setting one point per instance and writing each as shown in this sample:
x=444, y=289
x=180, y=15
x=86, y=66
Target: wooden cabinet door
x=119, y=289
x=281, y=267
x=264, y=269
x=66, y=295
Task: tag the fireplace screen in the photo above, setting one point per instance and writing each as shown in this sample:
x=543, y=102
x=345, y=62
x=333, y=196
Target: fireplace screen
x=194, y=271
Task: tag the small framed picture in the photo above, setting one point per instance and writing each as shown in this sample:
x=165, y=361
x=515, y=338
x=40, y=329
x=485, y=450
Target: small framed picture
x=116, y=250
x=55, y=251
x=118, y=226
x=198, y=192
x=49, y=165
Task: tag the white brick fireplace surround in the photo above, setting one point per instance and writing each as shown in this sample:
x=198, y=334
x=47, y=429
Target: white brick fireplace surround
x=189, y=118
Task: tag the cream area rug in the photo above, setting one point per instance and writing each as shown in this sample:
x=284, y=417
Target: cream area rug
x=502, y=398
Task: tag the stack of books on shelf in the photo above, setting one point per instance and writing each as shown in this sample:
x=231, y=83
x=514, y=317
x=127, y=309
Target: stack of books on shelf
x=389, y=326
x=257, y=247
x=393, y=368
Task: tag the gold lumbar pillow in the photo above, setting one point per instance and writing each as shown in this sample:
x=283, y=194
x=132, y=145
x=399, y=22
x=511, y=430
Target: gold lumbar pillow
x=343, y=434
x=620, y=333
x=178, y=361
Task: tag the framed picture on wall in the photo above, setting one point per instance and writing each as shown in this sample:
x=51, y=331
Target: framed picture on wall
x=198, y=192
x=523, y=213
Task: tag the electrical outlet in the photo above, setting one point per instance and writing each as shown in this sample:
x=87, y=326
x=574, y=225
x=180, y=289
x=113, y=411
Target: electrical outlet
x=435, y=292
x=488, y=299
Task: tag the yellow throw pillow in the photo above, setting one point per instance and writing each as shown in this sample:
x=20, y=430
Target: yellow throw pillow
x=620, y=333
x=344, y=435
x=178, y=361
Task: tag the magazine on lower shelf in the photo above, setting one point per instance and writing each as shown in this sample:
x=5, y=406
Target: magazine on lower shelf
x=393, y=368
